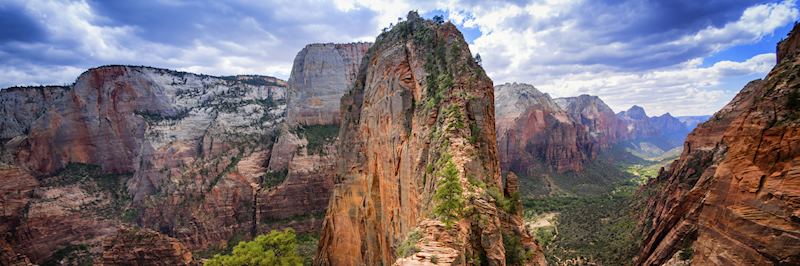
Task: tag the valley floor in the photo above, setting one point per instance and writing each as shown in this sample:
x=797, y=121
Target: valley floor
x=592, y=229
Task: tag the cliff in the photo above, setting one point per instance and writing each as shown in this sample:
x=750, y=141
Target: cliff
x=604, y=128
x=534, y=132
x=303, y=158
x=732, y=197
x=179, y=153
x=665, y=132
x=417, y=160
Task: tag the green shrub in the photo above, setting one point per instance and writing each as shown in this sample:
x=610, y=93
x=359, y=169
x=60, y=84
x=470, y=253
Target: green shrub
x=449, y=194
x=515, y=251
x=274, y=178
x=409, y=246
x=317, y=136
x=275, y=248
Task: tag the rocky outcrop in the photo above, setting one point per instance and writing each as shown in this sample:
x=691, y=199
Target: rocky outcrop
x=535, y=134
x=180, y=153
x=303, y=158
x=665, y=132
x=321, y=74
x=732, y=197
x=136, y=246
x=604, y=128
x=418, y=122
x=21, y=106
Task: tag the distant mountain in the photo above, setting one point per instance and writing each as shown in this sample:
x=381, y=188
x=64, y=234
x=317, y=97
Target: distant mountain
x=692, y=121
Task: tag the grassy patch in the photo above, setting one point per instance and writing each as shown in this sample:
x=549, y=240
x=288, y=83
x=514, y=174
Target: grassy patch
x=318, y=136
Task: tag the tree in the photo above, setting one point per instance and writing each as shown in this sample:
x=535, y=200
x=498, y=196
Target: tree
x=275, y=248
x=448, y=195
x=439, y=19
x=478, y=59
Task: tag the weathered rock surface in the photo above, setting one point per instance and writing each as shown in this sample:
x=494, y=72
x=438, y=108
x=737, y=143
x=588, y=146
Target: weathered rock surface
x=733, y=197
x=665, y=132
x=321, y=74
x=603, y=126
x=180, y=153
x=137, y=246
x=20, y=106
x=534, y=133
x=304, y=155
x=420, y=102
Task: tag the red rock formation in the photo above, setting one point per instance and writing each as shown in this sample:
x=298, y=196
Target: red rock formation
x=603, y=126
x=535, y=134
x=412, y=111
x=192, y=150
x=733, y=197
x=304, y=154
x=137, y=246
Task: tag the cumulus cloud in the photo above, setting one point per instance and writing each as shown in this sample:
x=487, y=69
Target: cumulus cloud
x=649, y=53
x=635, y=52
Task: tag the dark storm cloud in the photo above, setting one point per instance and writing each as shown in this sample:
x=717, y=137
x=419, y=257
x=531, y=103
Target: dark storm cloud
x=16, y=25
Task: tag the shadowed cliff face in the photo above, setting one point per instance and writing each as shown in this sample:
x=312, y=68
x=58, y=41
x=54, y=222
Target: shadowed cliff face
x=304, y=155
x=420, y=118
x=732, y=197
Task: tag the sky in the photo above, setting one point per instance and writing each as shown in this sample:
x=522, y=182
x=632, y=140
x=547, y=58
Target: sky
x=685, y=57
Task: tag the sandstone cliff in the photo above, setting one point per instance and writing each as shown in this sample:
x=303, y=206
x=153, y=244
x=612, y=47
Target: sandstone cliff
x=180, y=153
x=604, y=128
x=732, y=197
x=535, y=134
x=303, y=157
x=418, y=161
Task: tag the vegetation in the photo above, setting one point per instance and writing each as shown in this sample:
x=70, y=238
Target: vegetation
x=92, y=179
x=317, y=136
x=599, y=229
x=449, y=194
x=515, y=251
x=307, y=247
x=409, y=246
x=70, y=255
x=275, y=248
x=793, y=99
x=274, y=178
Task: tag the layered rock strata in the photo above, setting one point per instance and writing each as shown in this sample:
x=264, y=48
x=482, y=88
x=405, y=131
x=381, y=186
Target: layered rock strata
x=304, y=154
x=418, y=122
x=733, y=196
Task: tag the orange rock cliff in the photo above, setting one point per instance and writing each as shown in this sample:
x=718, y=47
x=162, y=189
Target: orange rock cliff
x=733, y=197
x=418, y=179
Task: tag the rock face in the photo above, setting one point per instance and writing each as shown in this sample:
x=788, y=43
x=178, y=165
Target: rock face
x=180, y=153
x=604, y=128
x=732, y=197
x=21, y=106
x=135, y=246
x=665, y=131
x=321, y=74
x=304, y=155
x=421, y=115
x=534, y=132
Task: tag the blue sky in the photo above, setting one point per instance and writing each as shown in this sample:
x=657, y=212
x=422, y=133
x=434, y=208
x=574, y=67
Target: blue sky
x=686, y=57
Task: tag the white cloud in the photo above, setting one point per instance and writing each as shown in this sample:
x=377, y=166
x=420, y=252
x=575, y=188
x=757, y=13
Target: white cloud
x=634, y=52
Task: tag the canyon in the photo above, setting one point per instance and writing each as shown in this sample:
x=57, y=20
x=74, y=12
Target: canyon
x=732, y=196
x=420, y=183
x=397, y=152
x=204, y=161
